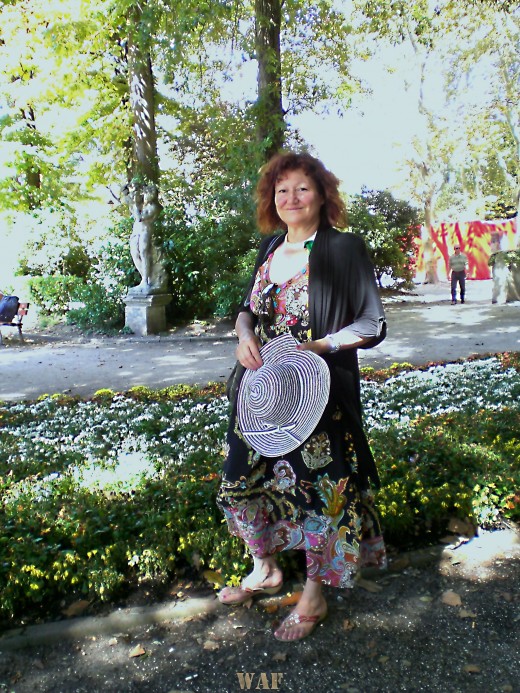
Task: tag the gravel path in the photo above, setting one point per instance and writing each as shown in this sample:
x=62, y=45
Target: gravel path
x=422, y=327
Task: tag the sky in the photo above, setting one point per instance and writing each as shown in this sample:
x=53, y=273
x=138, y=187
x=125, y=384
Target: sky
x=369, y=145
x=366, y=147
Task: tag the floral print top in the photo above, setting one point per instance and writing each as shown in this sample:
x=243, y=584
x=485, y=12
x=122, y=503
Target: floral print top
x=281, y=308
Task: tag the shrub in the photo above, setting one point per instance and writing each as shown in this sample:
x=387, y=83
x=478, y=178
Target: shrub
x=111, y=274
x=64, y=532
x=389, y=228
x=439, y=467
x=53, y=294
x=102, y=309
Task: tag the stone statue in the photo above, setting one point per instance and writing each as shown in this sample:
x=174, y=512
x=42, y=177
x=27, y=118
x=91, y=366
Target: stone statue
x=146, y=254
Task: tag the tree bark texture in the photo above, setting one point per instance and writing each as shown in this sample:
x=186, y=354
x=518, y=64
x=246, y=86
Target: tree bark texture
x=142, y=104
x=141, y=194
x=430, y=261
x=270, y=114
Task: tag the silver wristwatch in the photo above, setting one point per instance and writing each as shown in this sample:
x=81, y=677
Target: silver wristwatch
x=334, y=344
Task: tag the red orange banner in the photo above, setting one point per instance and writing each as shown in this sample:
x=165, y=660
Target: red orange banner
x=477, y=239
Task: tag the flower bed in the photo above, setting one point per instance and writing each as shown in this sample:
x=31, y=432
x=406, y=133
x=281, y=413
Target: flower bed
x=96, y=494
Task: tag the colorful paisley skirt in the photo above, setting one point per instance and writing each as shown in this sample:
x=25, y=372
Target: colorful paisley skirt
x=309, y=499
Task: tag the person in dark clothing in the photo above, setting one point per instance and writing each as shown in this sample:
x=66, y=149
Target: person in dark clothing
x=317, y=284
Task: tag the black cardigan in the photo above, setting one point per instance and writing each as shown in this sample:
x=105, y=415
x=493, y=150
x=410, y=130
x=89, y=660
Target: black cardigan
x=342, y=292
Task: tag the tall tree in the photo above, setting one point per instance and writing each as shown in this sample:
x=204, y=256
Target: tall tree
x=491, y=55
x=269, y=110
x=303, y=55
x=34, y=169
x=432, y=32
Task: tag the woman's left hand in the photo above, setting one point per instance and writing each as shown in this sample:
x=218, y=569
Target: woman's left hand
x=318, y=346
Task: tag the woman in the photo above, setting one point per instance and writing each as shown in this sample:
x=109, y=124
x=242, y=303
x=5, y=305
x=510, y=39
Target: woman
x=317, y=284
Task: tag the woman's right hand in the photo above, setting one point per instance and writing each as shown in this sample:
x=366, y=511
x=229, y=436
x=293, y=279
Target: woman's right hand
x=248, y=351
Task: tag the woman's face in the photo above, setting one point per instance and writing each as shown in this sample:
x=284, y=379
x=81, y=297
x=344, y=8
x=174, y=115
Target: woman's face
x=298, y=201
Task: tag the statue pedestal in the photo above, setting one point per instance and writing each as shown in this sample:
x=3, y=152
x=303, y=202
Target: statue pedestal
x=145, y=314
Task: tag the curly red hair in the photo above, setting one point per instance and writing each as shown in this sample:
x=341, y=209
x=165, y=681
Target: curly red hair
x=333, y=211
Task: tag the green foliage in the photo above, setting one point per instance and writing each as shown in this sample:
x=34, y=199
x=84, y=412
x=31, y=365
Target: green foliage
x=389, y=228
x=60, y=538
x=64, y=533
x=112, y=272
x=101, y=309
x=55, y=243
x=510, y=257
x=209, y=244
x=53, y=294
x=441, y=467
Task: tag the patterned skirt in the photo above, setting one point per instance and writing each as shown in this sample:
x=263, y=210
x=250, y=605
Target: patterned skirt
x=307, y=500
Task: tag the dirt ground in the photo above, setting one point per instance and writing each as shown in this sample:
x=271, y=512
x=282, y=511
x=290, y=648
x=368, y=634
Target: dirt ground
x=449, y=626
x=442, y=621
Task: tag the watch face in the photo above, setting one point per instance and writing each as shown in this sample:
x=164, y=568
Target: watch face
x=334, y=346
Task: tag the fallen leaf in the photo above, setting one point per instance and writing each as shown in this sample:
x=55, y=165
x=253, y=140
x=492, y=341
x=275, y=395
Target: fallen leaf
x=210, y=645
x=507, y=688
x=464, y=613
x=458, y=526
x=348, y=624
x=76, y=608
x=426, y=598
x=368, y=585
x=472, y=668
x=279, y=656
x=507, y=596
x=214, y=577
x=383, y=660
x=290, y=599
x=399, y=564
x=449, y=539
x=451, y=598
x=138, y=651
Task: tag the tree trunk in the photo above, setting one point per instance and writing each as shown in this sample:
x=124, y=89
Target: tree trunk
x=142, y=103
x=141, y=194
x=430, y=261
x=269, y=112
x=33, y=174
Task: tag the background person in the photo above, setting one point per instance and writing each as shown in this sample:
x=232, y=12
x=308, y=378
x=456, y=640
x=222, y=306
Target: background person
x=318, y=285
x=458, y=263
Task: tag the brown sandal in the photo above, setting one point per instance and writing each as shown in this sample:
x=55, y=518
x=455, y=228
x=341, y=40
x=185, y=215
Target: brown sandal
x=232, y=596
x=295, y=620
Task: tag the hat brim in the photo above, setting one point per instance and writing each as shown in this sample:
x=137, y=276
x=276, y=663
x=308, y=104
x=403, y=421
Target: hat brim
x=304, y=404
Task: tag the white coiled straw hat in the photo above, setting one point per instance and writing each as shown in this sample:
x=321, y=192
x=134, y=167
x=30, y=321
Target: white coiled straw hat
x=280, y=404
